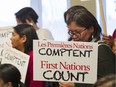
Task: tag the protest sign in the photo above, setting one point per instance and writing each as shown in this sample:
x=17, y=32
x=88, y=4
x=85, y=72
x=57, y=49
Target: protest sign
x=17, y=58
x=5, y=35
x=1, y=50
x=65, y=61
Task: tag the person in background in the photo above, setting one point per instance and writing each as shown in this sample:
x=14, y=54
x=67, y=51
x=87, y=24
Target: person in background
x=110, y=41
x=114, y=34
x=45, y=34
x=114, y=42
x=22, y=40
x=29, y=16
x=106, y=81
x=10, y=76
x=84, y=27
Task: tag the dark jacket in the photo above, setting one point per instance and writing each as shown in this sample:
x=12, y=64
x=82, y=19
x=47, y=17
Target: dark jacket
x=106, y=64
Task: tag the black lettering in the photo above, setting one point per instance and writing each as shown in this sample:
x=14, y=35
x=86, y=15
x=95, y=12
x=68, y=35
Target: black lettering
x=60, y=75
x=48, y=78
x=49, y=52
x=40, y=51
x=55, y=75
x=68, y=74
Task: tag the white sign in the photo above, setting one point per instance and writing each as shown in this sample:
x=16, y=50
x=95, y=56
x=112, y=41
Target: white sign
x=1, y=50
x=5, y=35
x=17, y=58
x=65, y=61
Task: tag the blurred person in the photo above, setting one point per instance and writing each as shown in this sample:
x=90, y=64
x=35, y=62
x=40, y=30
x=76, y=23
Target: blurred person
x=114, y=43
x=29, y=16
x=110, y=41
x=10, y=76
x=84, y=27
x=114, y=34
x=45, y=34
x=114, y=47
x=22, y=40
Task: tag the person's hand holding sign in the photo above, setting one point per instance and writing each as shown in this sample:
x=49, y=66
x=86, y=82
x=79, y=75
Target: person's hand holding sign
x=66, y=84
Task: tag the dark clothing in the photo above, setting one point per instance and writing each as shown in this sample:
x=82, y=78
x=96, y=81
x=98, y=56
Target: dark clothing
x=51, y=84
x=29, y=82
x=106, y=64
x=22, y=84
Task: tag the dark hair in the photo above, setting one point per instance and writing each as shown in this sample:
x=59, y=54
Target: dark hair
x=10, y=73
x=85, y=19
x=72, y=10
x=106, y=81
x=26, y=13
x=29, y=32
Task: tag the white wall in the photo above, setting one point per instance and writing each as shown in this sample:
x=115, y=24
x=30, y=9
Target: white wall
x=7, y=10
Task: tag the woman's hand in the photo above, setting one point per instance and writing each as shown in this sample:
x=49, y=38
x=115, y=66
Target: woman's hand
x=66, y=84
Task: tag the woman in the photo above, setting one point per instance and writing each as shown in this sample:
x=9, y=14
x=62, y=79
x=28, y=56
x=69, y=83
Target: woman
x=10, y=76
x=70, y=11
x=83, y=26
x=22, y=39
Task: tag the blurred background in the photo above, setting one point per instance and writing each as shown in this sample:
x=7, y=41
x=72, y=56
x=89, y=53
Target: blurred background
x=51, y=13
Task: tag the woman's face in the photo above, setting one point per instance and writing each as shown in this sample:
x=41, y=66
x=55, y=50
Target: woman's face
x=78, y=33
x=16, y=41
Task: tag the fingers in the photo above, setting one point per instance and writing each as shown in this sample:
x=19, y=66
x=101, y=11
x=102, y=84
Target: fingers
x=107, y=39
x=104, y=37
x=62, y=84
x=66, y=84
